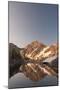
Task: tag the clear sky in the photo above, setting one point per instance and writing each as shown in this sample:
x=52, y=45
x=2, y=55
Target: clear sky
x=29, y=22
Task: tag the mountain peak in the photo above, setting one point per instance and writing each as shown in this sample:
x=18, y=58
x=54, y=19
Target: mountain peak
x=36, y=44
x=39, y=51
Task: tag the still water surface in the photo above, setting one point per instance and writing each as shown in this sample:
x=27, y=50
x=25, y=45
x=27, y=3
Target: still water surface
x=20, y=80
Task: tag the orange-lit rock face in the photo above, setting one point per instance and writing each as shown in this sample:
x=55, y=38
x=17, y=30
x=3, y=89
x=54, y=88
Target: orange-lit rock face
x=38, y=51
x=34, y=45
x=53, y=49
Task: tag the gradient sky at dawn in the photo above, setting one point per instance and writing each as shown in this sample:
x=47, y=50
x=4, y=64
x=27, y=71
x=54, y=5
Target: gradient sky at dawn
x=29, y=22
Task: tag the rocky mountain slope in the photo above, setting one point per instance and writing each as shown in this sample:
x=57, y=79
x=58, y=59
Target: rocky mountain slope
x=36, y=60
x=39, y=51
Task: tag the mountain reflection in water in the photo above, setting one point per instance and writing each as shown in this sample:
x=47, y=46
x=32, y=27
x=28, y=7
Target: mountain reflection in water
x=37, y=72
x=25, y=70
x=20, y=80
x=33, y=75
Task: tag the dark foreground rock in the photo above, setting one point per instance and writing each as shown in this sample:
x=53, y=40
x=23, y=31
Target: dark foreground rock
x=15, y=59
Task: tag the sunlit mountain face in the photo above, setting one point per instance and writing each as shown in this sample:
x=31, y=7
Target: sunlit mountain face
x=39, y=51
x=35, y=61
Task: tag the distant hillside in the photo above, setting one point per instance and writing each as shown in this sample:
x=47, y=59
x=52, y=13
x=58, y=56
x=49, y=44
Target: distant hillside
x=15, y=59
